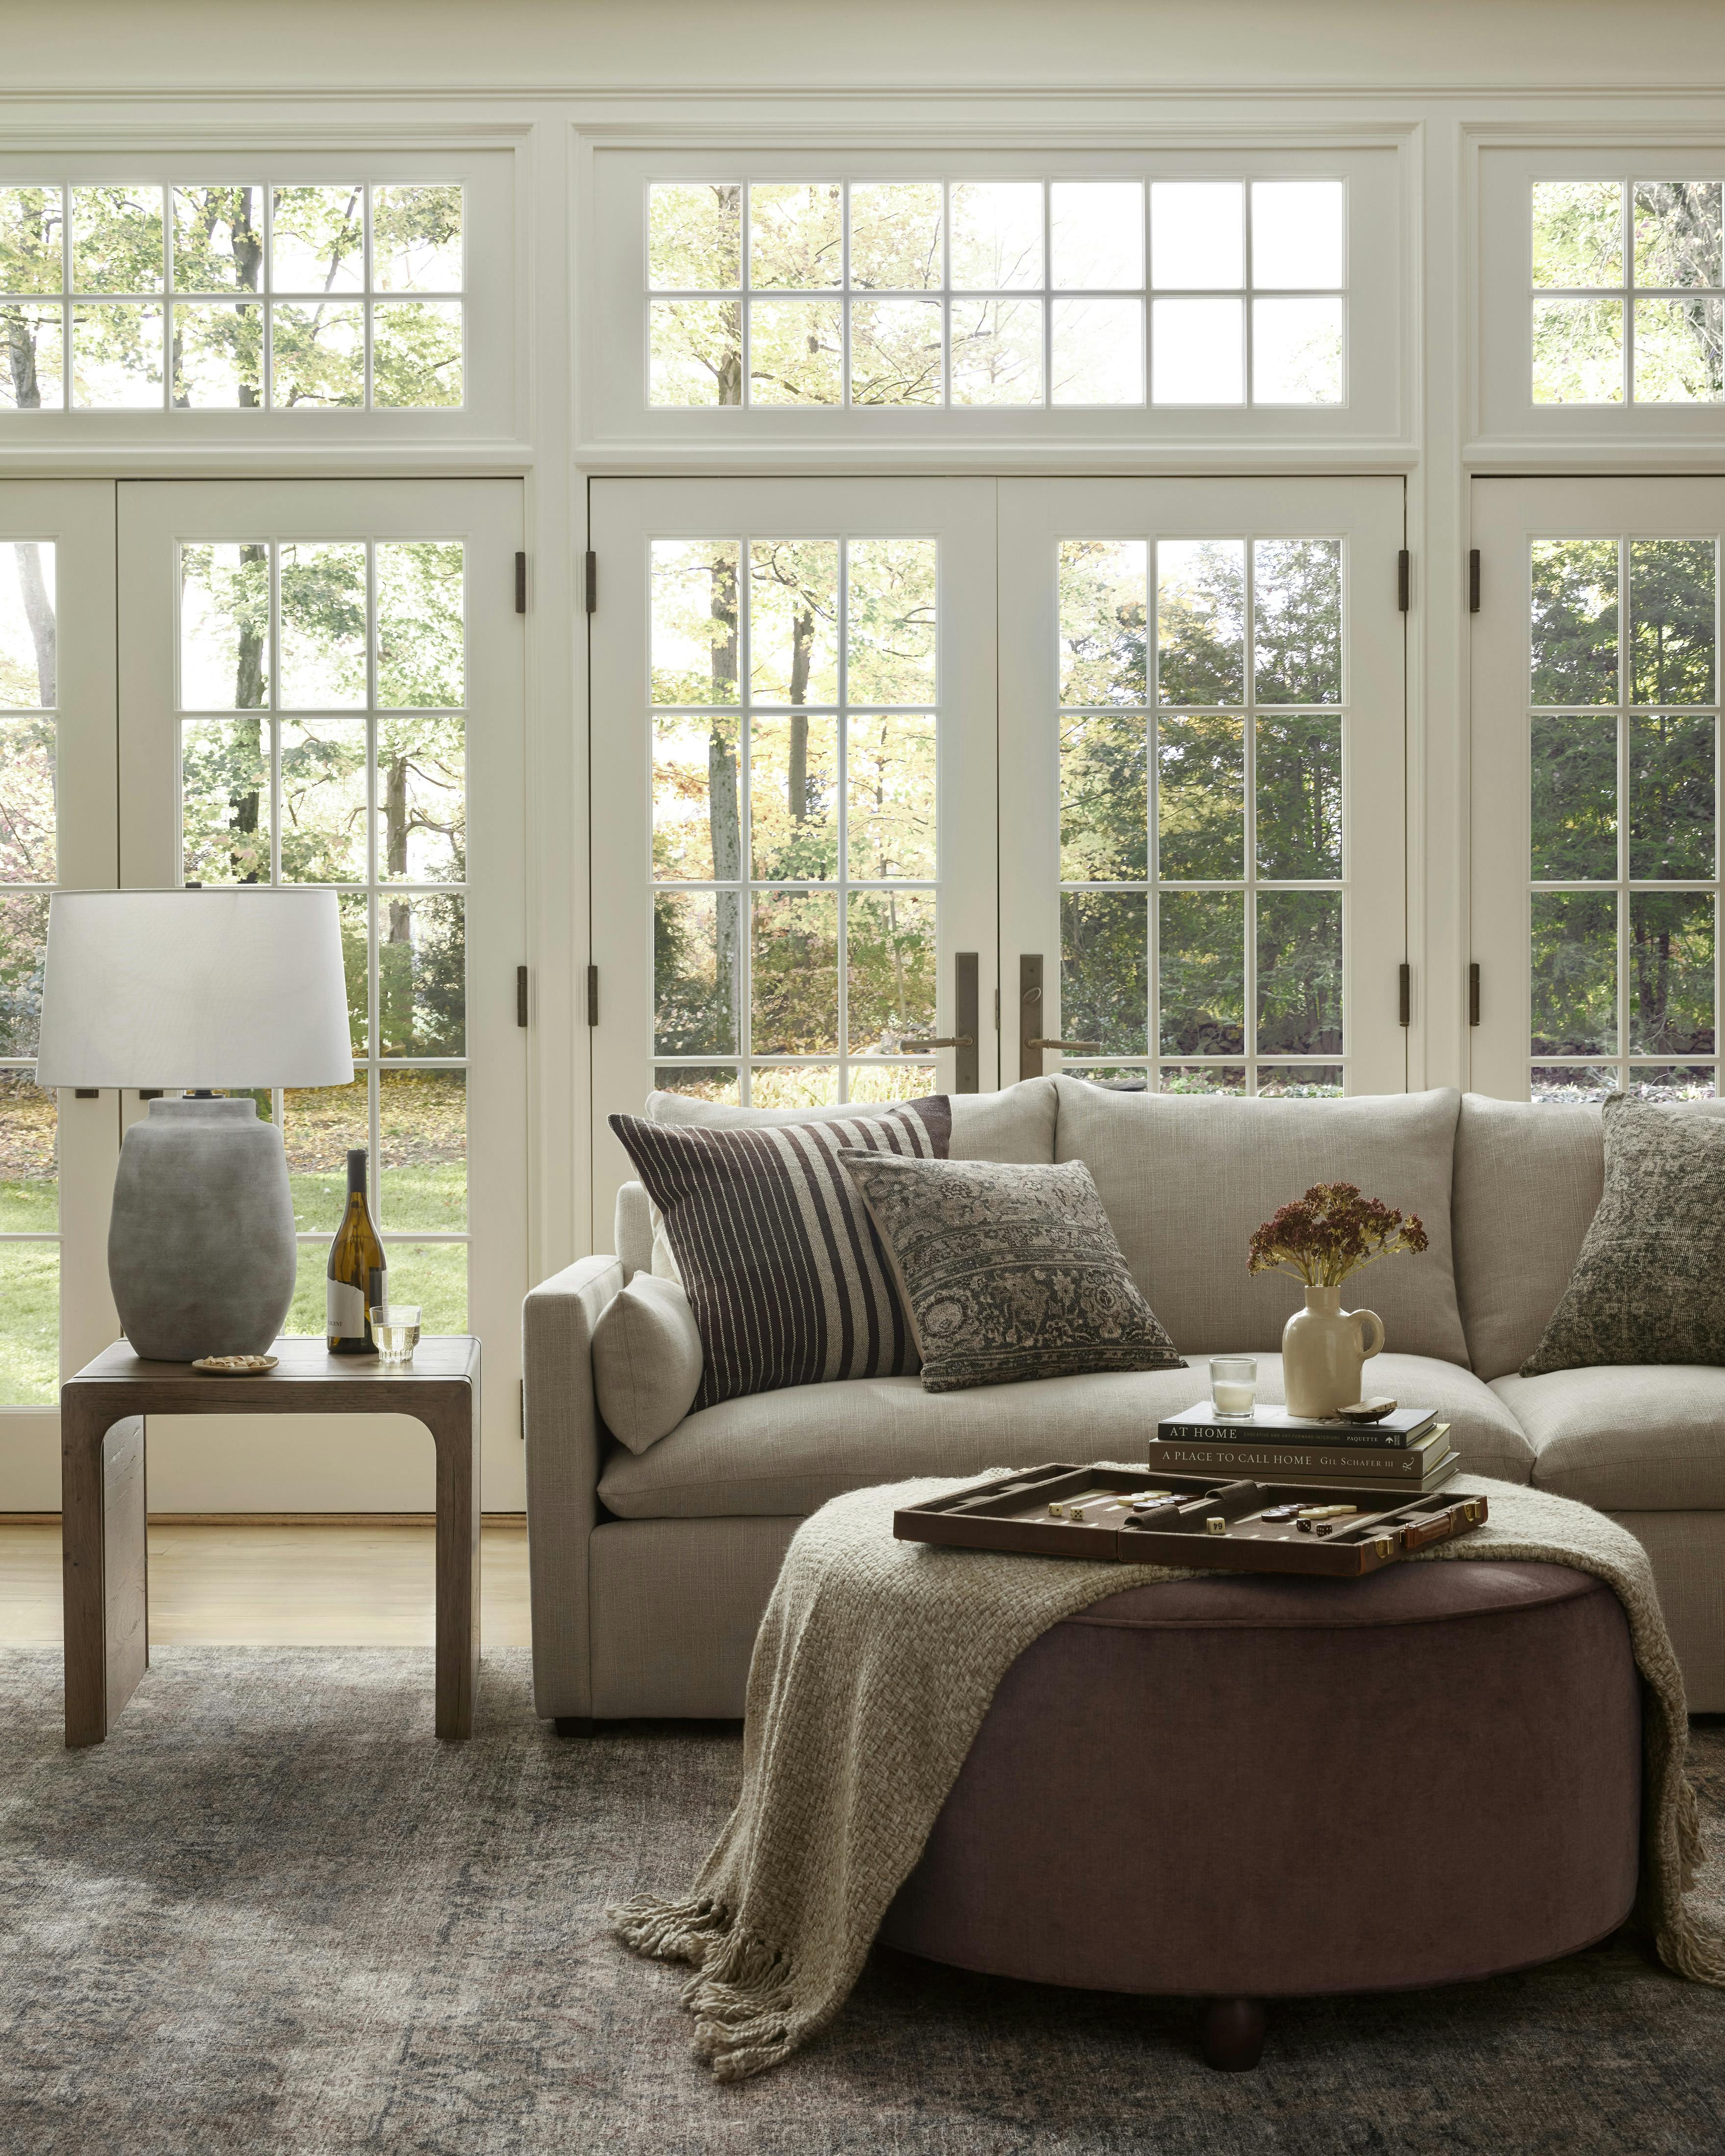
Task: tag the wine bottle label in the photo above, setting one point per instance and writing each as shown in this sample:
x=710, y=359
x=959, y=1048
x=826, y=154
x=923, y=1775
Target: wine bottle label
x=344, y=1310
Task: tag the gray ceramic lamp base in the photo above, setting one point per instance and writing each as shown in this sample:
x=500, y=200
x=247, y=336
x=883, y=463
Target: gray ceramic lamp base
x=201, y=1251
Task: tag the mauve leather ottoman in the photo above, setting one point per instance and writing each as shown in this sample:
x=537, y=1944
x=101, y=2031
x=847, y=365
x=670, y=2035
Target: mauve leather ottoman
x=1238, y=1787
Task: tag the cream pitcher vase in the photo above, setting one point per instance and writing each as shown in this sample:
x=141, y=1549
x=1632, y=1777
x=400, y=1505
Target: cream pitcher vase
x=1323, y=1348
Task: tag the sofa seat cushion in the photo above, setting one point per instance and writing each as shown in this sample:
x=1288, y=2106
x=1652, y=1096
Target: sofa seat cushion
x=789, y=1452
x=1630, y=1437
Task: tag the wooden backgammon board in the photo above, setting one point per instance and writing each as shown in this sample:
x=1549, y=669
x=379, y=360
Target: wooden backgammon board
x=1131, y=1517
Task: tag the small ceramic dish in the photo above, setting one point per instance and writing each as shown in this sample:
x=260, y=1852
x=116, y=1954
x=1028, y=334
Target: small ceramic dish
x=236, y=1366
x=1372, y=1410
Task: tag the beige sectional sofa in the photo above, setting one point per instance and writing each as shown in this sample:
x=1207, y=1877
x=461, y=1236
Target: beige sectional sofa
x=650, y=1570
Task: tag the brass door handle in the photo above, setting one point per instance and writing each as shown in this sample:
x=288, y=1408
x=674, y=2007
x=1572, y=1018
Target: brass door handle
x=953, y=1040
x=1073, y=1047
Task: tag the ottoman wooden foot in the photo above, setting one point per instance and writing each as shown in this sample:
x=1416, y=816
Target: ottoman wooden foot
x=574, y=1725
x=1230, y=2032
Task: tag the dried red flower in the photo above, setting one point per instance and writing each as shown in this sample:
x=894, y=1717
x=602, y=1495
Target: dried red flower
x=1330, y=1233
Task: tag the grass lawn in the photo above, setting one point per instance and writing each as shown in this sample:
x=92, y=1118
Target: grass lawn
x=433, y=1274
x=29, y=1324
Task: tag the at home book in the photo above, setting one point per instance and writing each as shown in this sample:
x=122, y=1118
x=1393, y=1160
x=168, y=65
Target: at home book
x=1203, y=1425
x=1416, y=1466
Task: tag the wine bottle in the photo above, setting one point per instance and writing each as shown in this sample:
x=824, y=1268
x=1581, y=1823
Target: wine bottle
x=356, y=1274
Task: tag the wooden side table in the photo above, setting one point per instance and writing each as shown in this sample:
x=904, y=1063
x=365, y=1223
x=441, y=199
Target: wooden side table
x=103, y=1413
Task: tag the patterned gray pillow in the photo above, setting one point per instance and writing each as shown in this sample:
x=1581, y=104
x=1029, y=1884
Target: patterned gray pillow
x=1008, y=1272
x=1649, y=1285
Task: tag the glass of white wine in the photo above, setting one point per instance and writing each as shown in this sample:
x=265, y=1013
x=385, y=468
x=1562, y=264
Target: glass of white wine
x=395, y=1328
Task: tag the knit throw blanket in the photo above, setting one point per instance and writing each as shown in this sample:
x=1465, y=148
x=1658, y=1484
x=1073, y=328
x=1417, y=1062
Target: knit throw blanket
x=874, y=1666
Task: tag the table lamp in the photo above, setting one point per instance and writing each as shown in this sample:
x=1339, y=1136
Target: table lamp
x=194, y=989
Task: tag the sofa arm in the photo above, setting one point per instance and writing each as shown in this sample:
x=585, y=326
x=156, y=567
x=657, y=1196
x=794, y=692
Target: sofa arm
x=561, y=1424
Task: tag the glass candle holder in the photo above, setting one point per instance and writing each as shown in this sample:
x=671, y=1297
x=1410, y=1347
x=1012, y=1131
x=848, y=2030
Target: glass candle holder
x=395, y=1329
x=1233, y=1386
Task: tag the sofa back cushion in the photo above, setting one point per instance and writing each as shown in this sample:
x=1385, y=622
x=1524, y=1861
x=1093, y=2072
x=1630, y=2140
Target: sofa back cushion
x=1186, y=1178
x=1017, y=1124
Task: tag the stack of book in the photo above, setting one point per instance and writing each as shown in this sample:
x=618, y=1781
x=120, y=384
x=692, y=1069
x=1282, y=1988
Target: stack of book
x=1408, y=1451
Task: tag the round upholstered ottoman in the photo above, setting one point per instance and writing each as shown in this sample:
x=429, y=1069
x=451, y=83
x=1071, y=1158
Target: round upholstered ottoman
x=1238, y=1788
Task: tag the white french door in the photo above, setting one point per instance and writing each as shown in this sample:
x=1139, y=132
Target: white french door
x=1595, y=786
x=794, y=781
x=322, y=682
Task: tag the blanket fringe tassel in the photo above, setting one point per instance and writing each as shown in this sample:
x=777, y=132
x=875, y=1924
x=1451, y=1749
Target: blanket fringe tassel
x=741, y=1997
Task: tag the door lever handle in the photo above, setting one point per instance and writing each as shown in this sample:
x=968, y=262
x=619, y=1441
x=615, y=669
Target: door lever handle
x=948, y=1040
x=1072, y=1047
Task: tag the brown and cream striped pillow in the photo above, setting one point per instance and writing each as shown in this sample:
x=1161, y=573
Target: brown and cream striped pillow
x=780, y=1261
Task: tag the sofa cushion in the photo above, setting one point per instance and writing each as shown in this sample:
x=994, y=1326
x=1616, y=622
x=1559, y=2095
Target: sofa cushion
x=1017, y=1124
x=790, y=1451
x=1186, y=1178
x=1629, y=1437
x=647, y=1361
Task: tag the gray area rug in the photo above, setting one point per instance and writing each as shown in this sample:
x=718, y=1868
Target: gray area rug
x=271, y=1913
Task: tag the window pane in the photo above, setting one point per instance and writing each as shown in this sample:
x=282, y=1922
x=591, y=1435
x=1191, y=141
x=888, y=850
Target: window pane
x=793, y=621
x=1104, y=798
x=1202, y=1078
x=435, y=1275
x=711, y=1083
x=1571, y=1084
x=796, y=240
x=320, y=1126
x=890, y=643
x=796, y=347
x=793, y=1086
x=1102, y=596
x=1677, y=351
x=1675, y=232
x=694, y=621
x=895, y=236
x=1196, y=355
x=29, y=1324
x=997, y=235
x=1200, y=621
x=421, y=798
x=34, y=378
x=890, y=962
x=696, y=352
x=322, y=650
x=116, y=239
x=890, y=763
x=1577, y=232
x=1694, y=1081
x=794, y=799
x=1574, y=973
x=695, y=238
x=1578, y=352
x=1098, y=352
x=318, y=356
x=29, y=1171
x=218, y=353
x=421, y=976
x=1299, y=797
x=27, y=800
x=1201, y=965
x=1097, y=229
x=1297, y=622
x=1670, y=959
x=891, y=1081
x=1200, y=799
x=317, y=239
x=697, y=971
x=353, y=909
x=1104, y=970
x=1670, y=795
x=422, y=1128
x=694, y=799
x=422, y=648
x=28, y=627
x=224, y=800
x=1300, y=972
x=1671, y=621
x=1296, y=351
x=996, y=352
x=1298, y=235
x=795, y=974
x=416, y=238
x=24, y=947
x=416, y=354
x=323, y=801
x=224, y=626
x=1300, y=1081
x=894, y=351
x=1197, y=235
x=117, y=358
x=30, y=234
x=1573, y=584
x=217, y=238
x=1572, y=771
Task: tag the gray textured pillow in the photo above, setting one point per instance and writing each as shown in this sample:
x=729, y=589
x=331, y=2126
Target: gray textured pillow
x=646, y=1361
x=1008, y=1271
x=1649, y=1285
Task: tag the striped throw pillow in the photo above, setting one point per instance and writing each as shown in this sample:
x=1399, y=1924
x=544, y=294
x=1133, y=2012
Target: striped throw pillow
x=780, y=1261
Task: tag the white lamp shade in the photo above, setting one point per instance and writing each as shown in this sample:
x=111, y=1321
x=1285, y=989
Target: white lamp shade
x=186, y=989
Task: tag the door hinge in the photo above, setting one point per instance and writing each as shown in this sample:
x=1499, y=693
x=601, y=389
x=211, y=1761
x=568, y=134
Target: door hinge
x=520, y=995
x=1404, y=993
x=592, y=582
x=1473, y=995
x=520, y=583
x=592, y=995
x=1473, y=580
x=1404, y=578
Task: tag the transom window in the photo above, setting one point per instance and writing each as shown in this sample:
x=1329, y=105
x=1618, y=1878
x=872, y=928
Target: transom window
x=242, y=295
x=1627, y=292
x=996, y=293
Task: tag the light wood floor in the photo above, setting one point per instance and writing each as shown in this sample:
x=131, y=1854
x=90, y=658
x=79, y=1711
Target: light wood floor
x=264, y=1584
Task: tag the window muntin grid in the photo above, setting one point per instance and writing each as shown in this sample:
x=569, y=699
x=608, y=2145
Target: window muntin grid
x=1627, y=292
x=202, y=296
x=1089, y=293
x=1624, y=817
x=795, y=954
x=322, y=693
x=1204, y=727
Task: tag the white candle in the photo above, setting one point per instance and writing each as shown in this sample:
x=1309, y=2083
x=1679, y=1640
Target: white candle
x=1232, y=1398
